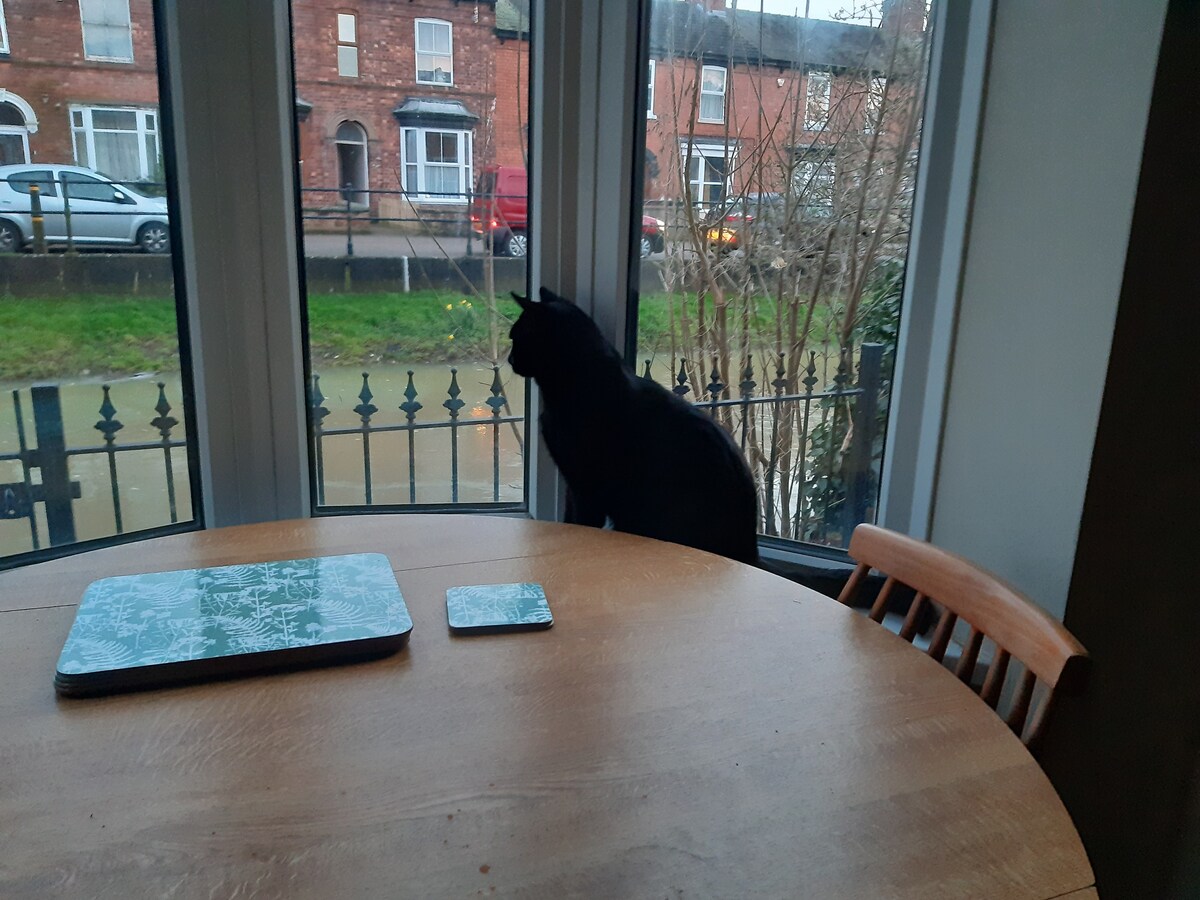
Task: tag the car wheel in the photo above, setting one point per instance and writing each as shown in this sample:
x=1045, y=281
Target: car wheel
x=154, y=238
x=647, y=246
x=10, y=238
x=518, y=245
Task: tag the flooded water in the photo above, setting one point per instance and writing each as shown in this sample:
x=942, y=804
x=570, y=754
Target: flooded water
x=142, y=474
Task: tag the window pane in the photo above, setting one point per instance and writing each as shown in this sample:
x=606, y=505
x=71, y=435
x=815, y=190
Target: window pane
x=124, y=120
x=348, y=61
x=92, y=349
x=797, y=216
x=346, y=28
x=411, y=274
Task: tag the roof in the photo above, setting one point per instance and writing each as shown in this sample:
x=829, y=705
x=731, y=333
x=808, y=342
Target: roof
x=425, y=111
x=743, y=37
x=748, y=38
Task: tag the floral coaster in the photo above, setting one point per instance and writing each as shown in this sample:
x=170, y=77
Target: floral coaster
x=497, y=607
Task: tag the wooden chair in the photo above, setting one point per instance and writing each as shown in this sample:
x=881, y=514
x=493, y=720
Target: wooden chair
x=1019, y=629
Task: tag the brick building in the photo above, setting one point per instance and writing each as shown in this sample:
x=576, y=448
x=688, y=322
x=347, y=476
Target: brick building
x=416, y=97
x=79, y=83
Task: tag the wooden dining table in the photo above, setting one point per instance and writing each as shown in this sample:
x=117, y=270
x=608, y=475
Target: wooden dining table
x=689, y=727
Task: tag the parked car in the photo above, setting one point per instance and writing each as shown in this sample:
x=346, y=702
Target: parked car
x=500, y=213
x=102, y=211
x=728, y=226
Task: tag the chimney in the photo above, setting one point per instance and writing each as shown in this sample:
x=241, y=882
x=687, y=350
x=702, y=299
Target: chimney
x=904, y=16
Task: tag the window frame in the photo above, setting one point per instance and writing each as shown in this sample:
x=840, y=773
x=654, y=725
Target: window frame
x=708, y=120
x=4, y=48
x=709, y=149
x=147, y=166
x=466, y=167
x=418, y=52
x=650, y=90
x=876, y=91
x=343, y=44
x=262, y=473
x=820, y=77
x=83, y=24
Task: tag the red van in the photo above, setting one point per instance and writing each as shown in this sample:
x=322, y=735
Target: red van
x=499, y=209
x=500, y=213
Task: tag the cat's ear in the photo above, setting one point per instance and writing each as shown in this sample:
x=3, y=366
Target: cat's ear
x=548, y=295
x=522, y=300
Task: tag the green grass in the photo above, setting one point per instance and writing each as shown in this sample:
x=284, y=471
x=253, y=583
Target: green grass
x=114, y=336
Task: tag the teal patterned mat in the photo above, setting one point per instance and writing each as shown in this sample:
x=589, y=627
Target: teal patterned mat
x=198, y=614
x=497, y=606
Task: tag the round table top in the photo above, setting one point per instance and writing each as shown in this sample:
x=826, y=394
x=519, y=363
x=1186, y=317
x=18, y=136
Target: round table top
x=690, y=727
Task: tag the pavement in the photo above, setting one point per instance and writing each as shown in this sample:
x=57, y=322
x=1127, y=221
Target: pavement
x=386, y=244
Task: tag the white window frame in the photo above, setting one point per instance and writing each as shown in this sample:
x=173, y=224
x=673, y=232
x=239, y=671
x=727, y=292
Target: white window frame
x=823, y=95
x=348, y=44
x=814, y=166
x=419, y=164
x=706, y=93
x=579, y=165
x=418, y=52
x=86, y=132
x=4, y=35
x=876, y=89
x=650, y=93
x=702, y=150
x=129, y=27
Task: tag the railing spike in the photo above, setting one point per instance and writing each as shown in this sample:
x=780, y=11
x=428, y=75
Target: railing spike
x=410, y=406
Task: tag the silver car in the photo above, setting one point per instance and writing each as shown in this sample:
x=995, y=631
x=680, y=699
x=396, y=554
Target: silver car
x=102, y=211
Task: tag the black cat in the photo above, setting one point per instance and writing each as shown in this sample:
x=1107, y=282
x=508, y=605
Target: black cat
x=630, y=450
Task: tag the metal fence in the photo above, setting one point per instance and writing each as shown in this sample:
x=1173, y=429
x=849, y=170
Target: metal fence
x=814, y=452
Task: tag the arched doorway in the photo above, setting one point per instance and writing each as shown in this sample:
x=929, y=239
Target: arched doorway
x=14, y=135
x=351, y=142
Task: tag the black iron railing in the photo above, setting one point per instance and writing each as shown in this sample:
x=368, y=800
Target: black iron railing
x=814, y=453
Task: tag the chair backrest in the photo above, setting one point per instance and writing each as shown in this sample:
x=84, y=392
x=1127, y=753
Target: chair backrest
x=1019, y=629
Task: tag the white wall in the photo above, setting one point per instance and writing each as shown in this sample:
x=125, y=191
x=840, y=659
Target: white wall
x=1065, y=113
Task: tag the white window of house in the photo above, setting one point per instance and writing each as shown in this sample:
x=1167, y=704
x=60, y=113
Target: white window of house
x=874, y=106
x=813, y=179
x=3, y=30
x=14, y=135
x=437, y=164
x=435, y=52
x=712, y=94
x=347, y=45
x=107, y=30
x=816, y=107
x=121, y=142
x=351, y=141
x=708, y=172
x=650, y=94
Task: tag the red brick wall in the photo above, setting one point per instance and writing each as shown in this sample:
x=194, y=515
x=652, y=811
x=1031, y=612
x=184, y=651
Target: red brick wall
x=45, y=66
x=387, y=77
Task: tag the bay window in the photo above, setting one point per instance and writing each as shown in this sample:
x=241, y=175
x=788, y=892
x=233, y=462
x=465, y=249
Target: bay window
x=121, y=142
x=436, y=164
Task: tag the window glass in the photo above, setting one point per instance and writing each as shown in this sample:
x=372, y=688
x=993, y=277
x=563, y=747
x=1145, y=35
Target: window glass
x=816, y=108
x=435, y=61
x=107, y=33
x=347, y=51
x=415, y=230
x=121, y=143
x=95, y=435
x=84, y=187
x=772, y=271
x=712, y=94
x=43, y=178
